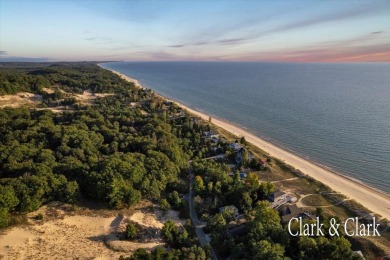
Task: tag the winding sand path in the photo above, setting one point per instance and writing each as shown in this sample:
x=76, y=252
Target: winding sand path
x=370, y=198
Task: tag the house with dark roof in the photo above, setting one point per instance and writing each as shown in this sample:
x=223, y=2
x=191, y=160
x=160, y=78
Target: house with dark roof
x=235, y=146
x=238, y=231
x=211, y=134
x=292, y=211
x=277, y=198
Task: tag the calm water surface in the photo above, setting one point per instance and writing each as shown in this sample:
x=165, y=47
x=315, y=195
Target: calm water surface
x=337, y=115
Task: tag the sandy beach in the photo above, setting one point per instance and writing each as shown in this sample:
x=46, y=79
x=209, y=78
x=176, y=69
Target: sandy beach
x=124, y=77
x=370, y=198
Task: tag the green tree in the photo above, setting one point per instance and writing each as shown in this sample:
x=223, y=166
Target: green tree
x=199, y=185
x=131, y=231
x=169, y=231
x=246, y=202
x=266, y=223
x=266, y=250
x=175, y=199
x=252, y=180
x=164, y=204
x=3, y=217
x=194, y=252
x=8, y=198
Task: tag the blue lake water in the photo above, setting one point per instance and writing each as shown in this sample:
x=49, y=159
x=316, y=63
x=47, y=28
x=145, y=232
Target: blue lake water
x=337, y=115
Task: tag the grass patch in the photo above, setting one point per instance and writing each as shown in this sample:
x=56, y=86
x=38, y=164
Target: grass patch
x=299, y=186
x=370, y=247
x=315, y=200
x=339, y=211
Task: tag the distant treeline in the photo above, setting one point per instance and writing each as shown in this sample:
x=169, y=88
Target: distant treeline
x=71, y=77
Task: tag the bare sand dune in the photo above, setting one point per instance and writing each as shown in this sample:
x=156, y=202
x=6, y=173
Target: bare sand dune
x=370, y=198
x=20, y=99
x=88, y=96
x=64, y=234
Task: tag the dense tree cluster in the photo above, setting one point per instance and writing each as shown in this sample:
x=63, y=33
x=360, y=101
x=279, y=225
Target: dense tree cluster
x=262, y=235
x=71, y=77
x=215, y=188
x=109, y=151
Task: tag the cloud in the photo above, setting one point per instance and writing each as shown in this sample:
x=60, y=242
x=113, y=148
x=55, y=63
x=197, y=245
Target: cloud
x=354, y=41
x=3, y=53
x=214, y=34
x=100, y=40
x=332, y=17
x=97, y=39
x=321, y=53
x=359, y=11
x=176, y=46
x=222, y=42
x=231, y=41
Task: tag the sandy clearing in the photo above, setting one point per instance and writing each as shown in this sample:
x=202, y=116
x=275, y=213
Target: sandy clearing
x=48, y=90
x=88, y=96
x=370, y=198
x=20, y=99
x=146, y=220
x=65, y=235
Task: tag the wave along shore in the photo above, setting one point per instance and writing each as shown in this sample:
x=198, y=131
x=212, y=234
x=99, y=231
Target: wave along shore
x=370, y=198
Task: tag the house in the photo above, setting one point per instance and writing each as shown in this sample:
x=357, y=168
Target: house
x=292, y=211
x=239, y=231
x=277, y=199
x=235, y=146
x=196, y=119
x=239, y=156
x=230, y=208
x=214, y=140
x=210, y=135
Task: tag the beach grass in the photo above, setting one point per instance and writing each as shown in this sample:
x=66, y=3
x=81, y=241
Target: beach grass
x=316, y=200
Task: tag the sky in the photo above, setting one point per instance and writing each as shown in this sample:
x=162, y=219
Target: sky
x=275, y=31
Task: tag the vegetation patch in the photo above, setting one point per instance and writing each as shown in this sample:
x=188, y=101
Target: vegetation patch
x=315, y=200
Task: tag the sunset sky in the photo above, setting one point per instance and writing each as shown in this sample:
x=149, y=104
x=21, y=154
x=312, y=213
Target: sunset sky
x=307, y=31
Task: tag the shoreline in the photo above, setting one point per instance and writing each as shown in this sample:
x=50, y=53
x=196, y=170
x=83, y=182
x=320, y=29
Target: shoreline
x=132, y=80
x=371, y=198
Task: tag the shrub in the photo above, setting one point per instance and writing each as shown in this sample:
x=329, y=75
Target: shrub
x=131, y=231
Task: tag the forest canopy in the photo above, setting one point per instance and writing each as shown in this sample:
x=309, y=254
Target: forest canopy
x=108, y=151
